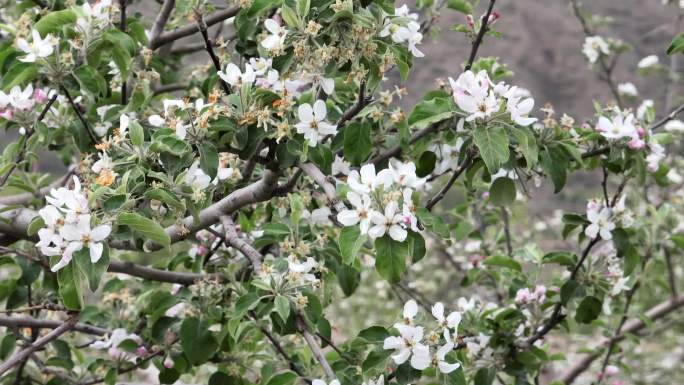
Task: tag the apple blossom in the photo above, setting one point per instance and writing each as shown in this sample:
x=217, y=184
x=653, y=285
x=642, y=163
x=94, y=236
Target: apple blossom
x=312, y=123
x=38, y=48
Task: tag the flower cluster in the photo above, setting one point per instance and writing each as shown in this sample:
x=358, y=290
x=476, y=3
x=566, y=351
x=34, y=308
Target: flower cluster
x=480, y=98
x=19, y=101
x=68, y=228
x=375, y=200
x=603, y=218
x=625, y=127
x=425, y=350
x=403, y=27
x=526, y=296
x=111, y=344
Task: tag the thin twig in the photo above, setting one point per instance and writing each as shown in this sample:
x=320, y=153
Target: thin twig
x=122, y=27
x=202, y=27
x=457, y=172
x=233, y=239
x=191, y=28
x=91, y=134
x=480, y=35
x=507, y=231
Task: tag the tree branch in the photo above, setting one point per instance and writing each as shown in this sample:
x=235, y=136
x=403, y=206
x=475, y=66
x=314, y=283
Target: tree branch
x=161, y=21
x=397, y=150
x=39, y=343
x=91, y=134
x=442, y=193
x=202, y=27
x=191, y=28
x=328, y=188
x=313, y=345
x=655, y=313
x=232, y=238
x=29, y=322
x=158, y=275
x=480, y=35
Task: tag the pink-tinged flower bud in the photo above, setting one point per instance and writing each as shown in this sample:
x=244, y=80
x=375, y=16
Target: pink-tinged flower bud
x=115, y=353
x=278, y=18
x=168, y=362
x=202, y=250
x=470, y=21
x=485, y=195
x=636, y=144
x=141, y=351
x=618, y=382
x=40, y=96
x=641, y=131
x=6, y=114
x=611, y=370
x=586, y=126
x=494, y=17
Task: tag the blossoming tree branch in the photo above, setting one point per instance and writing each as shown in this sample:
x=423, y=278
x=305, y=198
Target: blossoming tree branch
x=272, y=216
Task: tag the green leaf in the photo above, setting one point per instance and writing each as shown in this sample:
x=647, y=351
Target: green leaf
x=282, y=307
x=166, y=197
x=137, y=134
x=503, y=261
x=569, y=290
x=350, y=242
x=36, y=224
x=358, y=144
x=20, y=73
x=54, y=21
x=374, y=334
x=562, y=258
x=493, y=145
x=625, y=250
x=209, y=159
x=93, y=272
x=433, y=222
x=146, y=227
x=303, y=7
x=70, y=288
x=348, y=278
x=90, y=80
x=527, y=144
x=426, y=164
x=485, y=376
x=390, y=259
x=197, y=341
x=289, y=16
x=555, y=164
x=502, y=191
x=246, y=303
x=284, y=378
x=588, y=310
x=461, y=6
x=677, y=45
x=416, y=246
x=431, y=111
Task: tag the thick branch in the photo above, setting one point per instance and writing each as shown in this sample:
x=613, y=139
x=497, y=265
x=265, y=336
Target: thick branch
x=258, y=191
x=317, y=175
x=315, y=348
x=191, y=28
x=161, y=20
x=39, y=343
x=655, y=313
x=232, y=238
x=28, y=322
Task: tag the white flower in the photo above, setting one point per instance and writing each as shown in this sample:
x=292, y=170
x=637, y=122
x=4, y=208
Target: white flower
x=367, y=181
x=224, y=171
x=675, y=125
x=655, y=156
x=503, y=172
x=389, y=223
x=643, y=108
x=196, y=178
x=409, y=312
x=440, y=356
x=312, y=122
x=595, y=46
x=124, y=120
x=674, y=177
x=465, y=305
x=38, y=48
x=156, y=121
x=21, y=100
x=260, y=65
x=276, y=40
x=648, y=61
x=233, y=76
x=360, y=214
x=340, y=166
x=320, y=216
x=519, y=109
x=618, y=128
x=404, y=345
x=405, y=174
x=411, y=34
x=379, y=381
x=471, y=93
x=321, y=382
x=451, y=321
x=104, y=163
x=601, y=223
x=114, y=340
x=80, y=235
x=628, y=89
